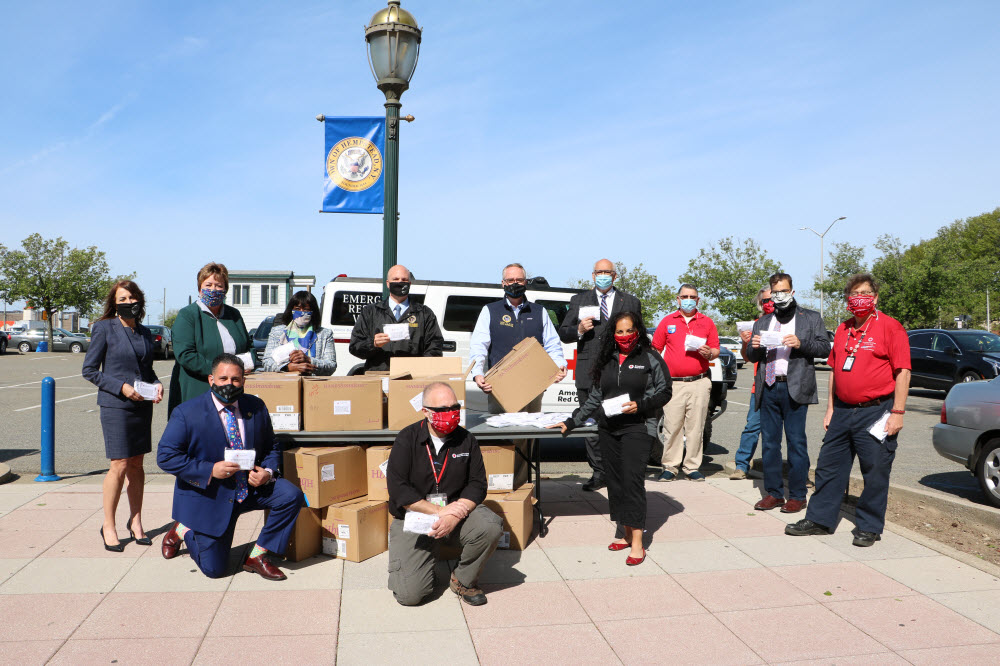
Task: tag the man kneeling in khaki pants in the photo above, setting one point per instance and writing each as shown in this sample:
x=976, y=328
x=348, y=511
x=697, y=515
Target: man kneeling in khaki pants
x=436, y=469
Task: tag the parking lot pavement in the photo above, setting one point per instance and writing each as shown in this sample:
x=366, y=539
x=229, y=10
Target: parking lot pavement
x=716, y=572
x=80, y=445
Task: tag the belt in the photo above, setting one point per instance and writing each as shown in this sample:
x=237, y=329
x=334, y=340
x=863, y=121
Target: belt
x=870, y=403
x=692, y=378
x=781, y=378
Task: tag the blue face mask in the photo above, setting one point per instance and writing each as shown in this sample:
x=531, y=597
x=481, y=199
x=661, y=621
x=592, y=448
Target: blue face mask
x=603, y=282
x=688, y=304
x=301, y=319
x=213, y=298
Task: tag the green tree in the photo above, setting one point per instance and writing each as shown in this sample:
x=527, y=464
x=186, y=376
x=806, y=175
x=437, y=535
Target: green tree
x=845, y=260
x=51, y=276
x=728, y=276
x=171, y=318
x=656, y=297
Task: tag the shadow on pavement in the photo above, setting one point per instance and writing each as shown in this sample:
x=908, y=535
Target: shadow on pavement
x=960, y=484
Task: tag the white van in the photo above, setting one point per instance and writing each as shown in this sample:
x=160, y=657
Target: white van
x=457, y=306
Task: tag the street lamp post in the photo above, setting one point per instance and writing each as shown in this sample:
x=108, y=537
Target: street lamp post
x=822, y=313
x=393, y=39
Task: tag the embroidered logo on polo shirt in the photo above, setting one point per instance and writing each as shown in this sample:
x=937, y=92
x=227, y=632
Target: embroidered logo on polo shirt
x=671, y=328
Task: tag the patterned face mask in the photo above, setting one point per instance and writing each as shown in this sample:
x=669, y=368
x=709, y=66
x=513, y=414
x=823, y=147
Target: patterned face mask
x=446, y=422
x=213, y=298
x=861, y=306
x=626, y=343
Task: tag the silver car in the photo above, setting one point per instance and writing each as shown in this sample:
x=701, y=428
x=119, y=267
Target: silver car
x=969, y=432
x=62, y=340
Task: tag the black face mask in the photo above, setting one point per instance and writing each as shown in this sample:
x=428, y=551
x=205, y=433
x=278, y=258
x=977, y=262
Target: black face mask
x=128, y=310
x=399, y=288
x=227, y=393
x=515, y=290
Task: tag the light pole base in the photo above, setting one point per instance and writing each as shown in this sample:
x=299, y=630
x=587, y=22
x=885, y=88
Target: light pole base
x=48, y=477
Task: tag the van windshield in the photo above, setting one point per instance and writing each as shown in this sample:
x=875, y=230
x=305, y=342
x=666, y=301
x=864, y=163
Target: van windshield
x=347, y=305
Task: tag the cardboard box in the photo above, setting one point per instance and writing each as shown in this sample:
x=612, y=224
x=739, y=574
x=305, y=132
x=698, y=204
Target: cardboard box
x=522, y=375
x=517, y=511
x=506, y=470
x=307, y=538
x=355, y=530
x=405, y=398
x=426, y=366
x=327, y=474
x=378, y=458
x=282, y=393
x=341, y=403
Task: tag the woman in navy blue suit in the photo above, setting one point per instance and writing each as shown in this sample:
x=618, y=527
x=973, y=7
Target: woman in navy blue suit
x=120, y=363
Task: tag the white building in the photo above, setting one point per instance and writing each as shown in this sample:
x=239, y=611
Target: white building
x=261, y=294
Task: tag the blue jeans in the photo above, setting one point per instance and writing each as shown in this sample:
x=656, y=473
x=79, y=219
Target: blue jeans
x=748, y=440
x=777, y=409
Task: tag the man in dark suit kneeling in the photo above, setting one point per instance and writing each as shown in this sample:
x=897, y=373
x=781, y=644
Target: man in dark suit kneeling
x=211, y=492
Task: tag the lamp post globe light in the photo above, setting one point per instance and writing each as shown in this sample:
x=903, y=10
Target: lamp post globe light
x=393, y=39
x=822, y=314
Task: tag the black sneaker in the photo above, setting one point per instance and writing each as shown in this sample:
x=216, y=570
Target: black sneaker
x=866, y=539
x=805, y=528
x=595, y=483
x=470, y=595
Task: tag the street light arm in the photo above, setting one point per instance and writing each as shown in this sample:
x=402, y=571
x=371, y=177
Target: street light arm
x=812, y=230
x=831, y=225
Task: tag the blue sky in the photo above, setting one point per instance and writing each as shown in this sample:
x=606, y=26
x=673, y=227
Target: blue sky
x=171, y=134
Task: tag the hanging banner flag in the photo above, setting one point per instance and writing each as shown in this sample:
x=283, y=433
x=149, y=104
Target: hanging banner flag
x=354, y=166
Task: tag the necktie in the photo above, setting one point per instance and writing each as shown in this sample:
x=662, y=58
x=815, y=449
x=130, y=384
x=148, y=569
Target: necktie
x=398, y=311
x=236, y=442
x=604, y=307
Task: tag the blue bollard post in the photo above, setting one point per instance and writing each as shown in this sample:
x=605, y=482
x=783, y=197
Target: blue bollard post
x=48, y=431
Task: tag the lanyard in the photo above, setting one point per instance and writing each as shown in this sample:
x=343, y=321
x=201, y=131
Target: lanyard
x=861, y=337
x=437, y=477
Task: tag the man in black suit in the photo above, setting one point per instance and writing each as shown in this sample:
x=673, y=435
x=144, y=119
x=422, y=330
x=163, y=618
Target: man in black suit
x=784, y=387
x=586, y=333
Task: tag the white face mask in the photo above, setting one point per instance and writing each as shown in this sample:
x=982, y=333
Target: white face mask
x=780, y=297
x=303, y=320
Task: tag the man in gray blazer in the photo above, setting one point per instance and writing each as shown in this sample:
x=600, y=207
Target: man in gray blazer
x=586, y=333
x=784, y=345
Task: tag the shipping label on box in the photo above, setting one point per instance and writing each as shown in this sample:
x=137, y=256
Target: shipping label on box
x=522, y=375
x=355, y=530
x=378, y=460
x=306, y=538
x=341, y=403
x=516, y=510
x=282, y=393
x=406, y=398
x=506, y=469
x=327, y=474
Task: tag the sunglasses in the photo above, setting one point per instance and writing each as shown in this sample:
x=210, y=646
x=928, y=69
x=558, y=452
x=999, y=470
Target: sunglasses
x=765, y=300
x=447, y=408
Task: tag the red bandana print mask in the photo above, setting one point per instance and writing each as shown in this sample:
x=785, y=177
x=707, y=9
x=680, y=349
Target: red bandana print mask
x=768, y=307
x=626, y=343
x=861, y=306
x=446, y=422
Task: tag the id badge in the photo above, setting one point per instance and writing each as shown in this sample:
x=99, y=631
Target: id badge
x=848, y=364
x=439, y=499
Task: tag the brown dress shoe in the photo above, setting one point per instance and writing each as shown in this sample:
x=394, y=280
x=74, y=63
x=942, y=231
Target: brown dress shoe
x=793, y=506
x=261, y=565
x=769, y=502
x=171, y=543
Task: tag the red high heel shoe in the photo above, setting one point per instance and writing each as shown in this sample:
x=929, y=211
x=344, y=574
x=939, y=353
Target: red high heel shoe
x=618, y=546
x=634, y=561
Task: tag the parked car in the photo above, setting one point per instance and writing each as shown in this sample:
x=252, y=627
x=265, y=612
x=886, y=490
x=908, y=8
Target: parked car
x=259, y=338
x=942, y=358
x=61, y=340
x=969, y=433
x=735, y=346
x=162, y=341
x=4, y=341
x=730, y=363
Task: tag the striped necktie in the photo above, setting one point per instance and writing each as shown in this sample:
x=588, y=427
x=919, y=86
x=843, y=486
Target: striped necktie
x=236, y=442
x=604, y=307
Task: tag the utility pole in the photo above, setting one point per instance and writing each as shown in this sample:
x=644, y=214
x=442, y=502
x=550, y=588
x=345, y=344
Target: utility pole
x=822, y=278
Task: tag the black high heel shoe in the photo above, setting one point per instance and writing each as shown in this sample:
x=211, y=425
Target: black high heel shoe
x=114, y=549
x=144, y=541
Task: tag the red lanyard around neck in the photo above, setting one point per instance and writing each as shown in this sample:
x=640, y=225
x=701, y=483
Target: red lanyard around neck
x=437, y=477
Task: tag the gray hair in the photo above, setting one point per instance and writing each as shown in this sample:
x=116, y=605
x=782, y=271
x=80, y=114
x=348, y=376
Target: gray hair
x=514, y=265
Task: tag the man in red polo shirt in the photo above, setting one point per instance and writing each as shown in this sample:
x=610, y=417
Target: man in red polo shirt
x=869, y=382
x=688, y=340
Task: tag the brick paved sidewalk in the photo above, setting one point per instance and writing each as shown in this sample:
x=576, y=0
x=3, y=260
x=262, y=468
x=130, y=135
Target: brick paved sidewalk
x=721, y=585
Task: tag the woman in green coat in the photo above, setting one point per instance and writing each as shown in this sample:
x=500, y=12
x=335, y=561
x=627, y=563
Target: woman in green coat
x=202, y=331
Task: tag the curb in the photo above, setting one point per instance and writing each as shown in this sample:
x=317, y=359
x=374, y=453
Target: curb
x=5, y=475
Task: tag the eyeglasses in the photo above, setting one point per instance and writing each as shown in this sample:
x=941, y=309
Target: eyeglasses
x=765, y=300
x=448, y=408
x=515, y=280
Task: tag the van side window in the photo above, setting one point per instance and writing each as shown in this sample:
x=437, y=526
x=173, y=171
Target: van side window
x=347, y=305
x=557, y=311
x=461, y=312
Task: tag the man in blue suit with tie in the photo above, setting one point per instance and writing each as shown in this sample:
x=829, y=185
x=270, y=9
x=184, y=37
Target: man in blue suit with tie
x=211, y=492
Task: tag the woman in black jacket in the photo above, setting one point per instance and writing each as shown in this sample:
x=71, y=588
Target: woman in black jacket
x=631, y=386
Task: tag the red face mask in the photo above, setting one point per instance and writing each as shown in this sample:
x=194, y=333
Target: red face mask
x=861, y=306
x=446, y=422
x=626, y=343
x=768, y=307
